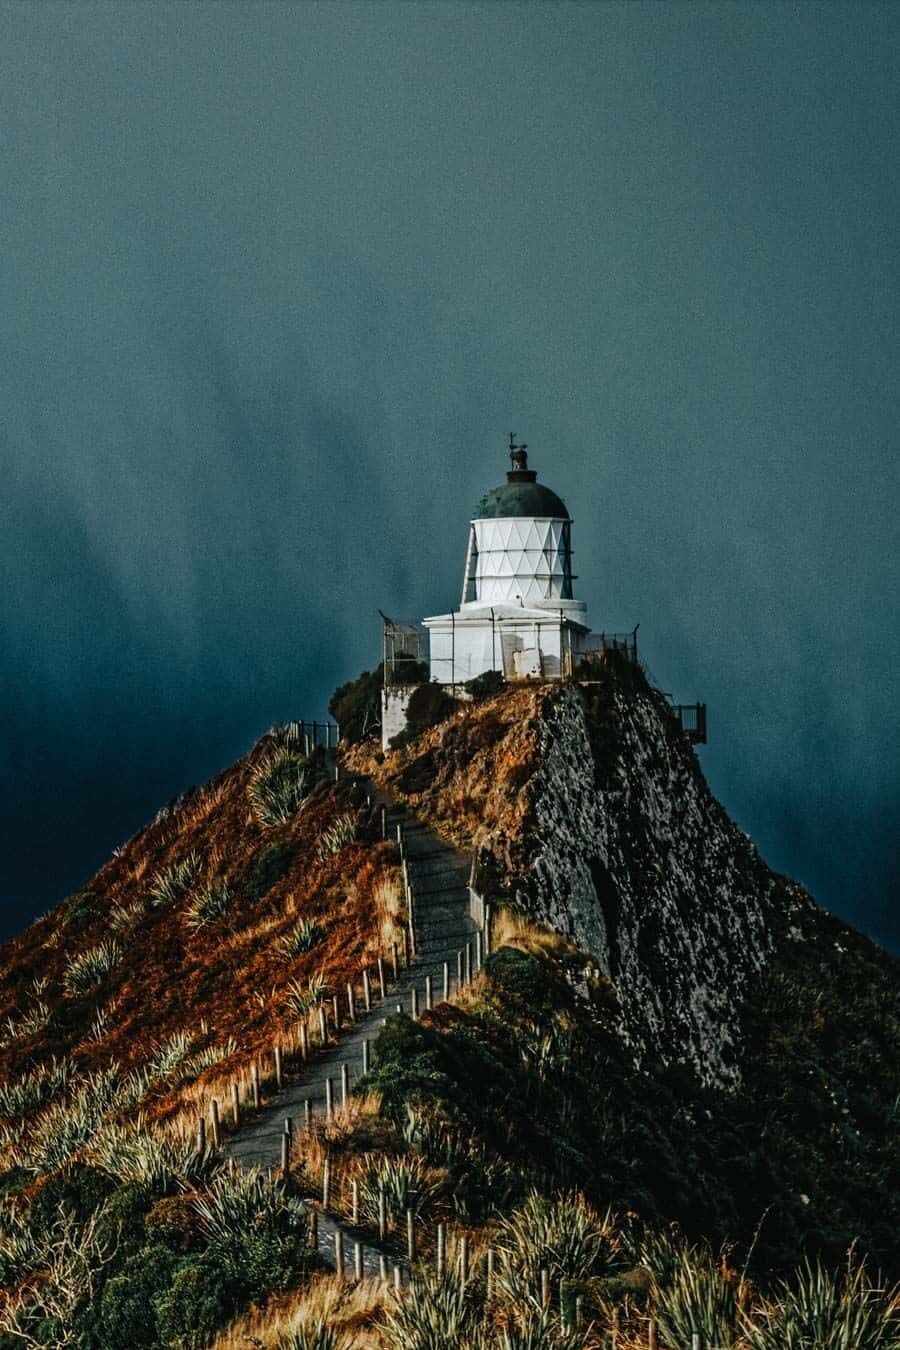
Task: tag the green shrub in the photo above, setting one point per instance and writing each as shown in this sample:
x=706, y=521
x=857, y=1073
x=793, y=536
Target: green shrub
x=196, y=1304
x=701, y=1297
x=485, y=685
x=87, y=970
x=356, y=706
x=268, y=868
x=280, y=785
x=438, y=1313
x=150, y=1158
x=255, y=1231
x=428, y=705
x=211, y=903
x=126, y=1318
x=80, y=909
x=563, y=1235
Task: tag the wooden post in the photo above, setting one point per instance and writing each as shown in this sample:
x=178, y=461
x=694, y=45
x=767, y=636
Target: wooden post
x=216, y=1123
x=289, y=1127
x=428, y=993
x=382, y=1267
x=440, y=1254
x=459, y=971
x=446, y=980
x=326, y=1183
x=651, y=1334
x=236, y=1103
x=384, y=822
x=489, y=1281
x=695, y=1341
x=285, y=1155
x=337, y=773
x=398, y=1281
x=414, y=1004
x=337, y=1014
x=367, y=992
x=304, y=1041
x=365, y=1057
x=545, y=1288
x=579, y=1311
x=463, y=1259
x=254, y=1080
x=487, y=928
x=468, y=963
x=323, y=1026
x=345, y=1085
x=358, y=1268
x=405, y=949
x=382, y=1215
x=351, y=1002
x=395, y=962
x=381, y=976
x=479, y=949
x=307, y=1114
x=314, y=1230
x=201, y=1134
x=329, y=1098
x=279, y=1076
x=410, y=1236
x=339, y=1253
x=354, y=1203
x=400, y=837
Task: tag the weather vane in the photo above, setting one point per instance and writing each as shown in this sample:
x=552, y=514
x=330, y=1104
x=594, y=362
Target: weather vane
x=513, y=448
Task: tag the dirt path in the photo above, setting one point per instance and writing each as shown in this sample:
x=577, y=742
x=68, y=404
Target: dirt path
x=438, y=878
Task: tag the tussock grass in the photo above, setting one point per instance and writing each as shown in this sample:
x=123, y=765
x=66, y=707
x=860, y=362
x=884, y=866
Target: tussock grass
x=174, y=881
x=407, y=1183
x=280, y=786
x=563, y=1235
x=156, y=1159
x=350, y=1312
x=390, y=909
x=300, y=1001
x=254, y=1229
x=209, y=904
x=831, y=1312
x=126, y=916
x=35, y=1088
x=301, y=938
x=66, y=1127
x=28, y=1023
x=87, y=970
x=337, y=836
x=697, y=1293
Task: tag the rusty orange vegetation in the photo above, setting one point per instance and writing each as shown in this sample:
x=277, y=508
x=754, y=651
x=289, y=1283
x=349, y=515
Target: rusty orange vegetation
x=230, y=976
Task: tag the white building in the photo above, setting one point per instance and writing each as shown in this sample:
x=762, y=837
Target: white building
x=518, y=614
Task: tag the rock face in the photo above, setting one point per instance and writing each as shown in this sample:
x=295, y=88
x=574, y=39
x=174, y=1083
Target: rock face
x=632, y=856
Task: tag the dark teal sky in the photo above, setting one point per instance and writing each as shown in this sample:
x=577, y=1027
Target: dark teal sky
x=277, y=279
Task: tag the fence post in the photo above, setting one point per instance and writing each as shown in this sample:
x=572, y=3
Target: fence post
x=337, y=1014
x=345, y=1084
x=468, y=963
x=381, y=976
x=279, y=1083
x=428, y=993
x=479, y=950
x=285, y=1155
x=351, y=1002
x=405, y=949
x=201, y=1134
x=307, y=1114
x=487, y=927
x=463, y=1259
x=326, y=1183
x=545, y=1288
x=329, y=1098
x=441, y=1248
x=365, y=1057
x=695, y=1341
x=304, y=1041
x=216, y=1124
x=367, y=992
x=398, y=1281
x=382, y=1215
x=395, y=962
x=384, y=822
x=354, y=1203
x=382, y=1267
x=339, y=1253
x=410, y=1236
x=323, y=1025
x=651, y=1334
x=459, y=971
x=489, y=1281
x=236, y=1103
x=314, y=1230
x=358, y=1260
x=446, y=980
x=414, y=1004
x=254, y=1079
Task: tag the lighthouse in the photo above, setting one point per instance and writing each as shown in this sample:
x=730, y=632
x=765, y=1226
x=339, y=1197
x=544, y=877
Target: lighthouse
x=518, y=613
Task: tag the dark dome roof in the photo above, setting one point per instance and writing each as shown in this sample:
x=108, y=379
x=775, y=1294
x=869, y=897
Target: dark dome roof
x=521, y=499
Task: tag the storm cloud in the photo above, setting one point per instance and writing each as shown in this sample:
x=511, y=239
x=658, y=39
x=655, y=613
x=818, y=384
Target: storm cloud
x=277, y=279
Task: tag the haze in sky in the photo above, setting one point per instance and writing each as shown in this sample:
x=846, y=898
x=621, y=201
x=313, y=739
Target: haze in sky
x=277, y=281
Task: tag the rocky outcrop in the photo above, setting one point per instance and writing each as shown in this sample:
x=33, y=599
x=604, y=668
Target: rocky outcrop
x=635, y=860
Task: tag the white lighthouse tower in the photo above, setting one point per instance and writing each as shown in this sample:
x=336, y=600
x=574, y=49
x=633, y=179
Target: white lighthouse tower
x=518, y=614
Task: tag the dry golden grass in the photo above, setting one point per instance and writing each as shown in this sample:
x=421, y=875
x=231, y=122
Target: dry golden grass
x=512, y=930
x=350, y=1310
